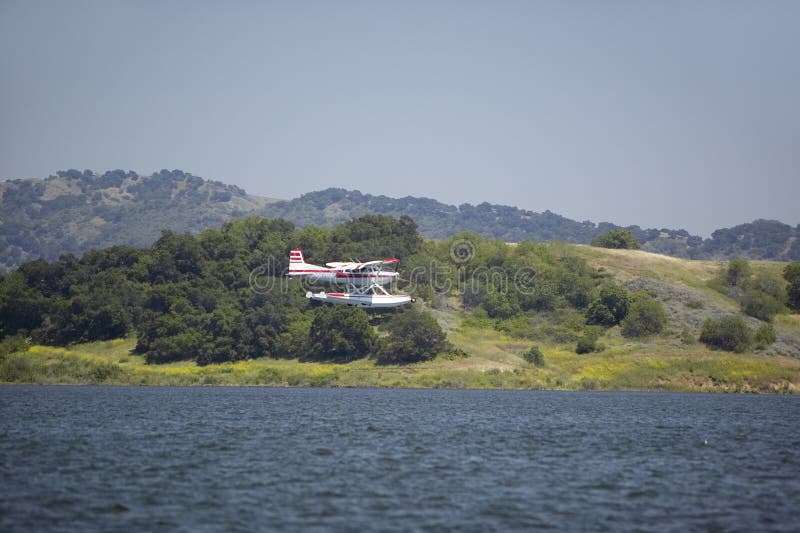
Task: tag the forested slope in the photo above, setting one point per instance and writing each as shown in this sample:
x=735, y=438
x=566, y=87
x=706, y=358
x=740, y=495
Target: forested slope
x=74, y=211
x=487, y=314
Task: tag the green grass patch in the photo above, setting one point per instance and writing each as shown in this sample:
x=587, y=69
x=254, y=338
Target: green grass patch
x=656, y=365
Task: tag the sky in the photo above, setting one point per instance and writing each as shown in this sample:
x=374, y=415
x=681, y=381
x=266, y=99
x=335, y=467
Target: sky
x=677, y=114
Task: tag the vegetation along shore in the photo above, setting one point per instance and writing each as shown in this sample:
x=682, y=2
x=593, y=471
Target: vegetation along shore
x=215, y=309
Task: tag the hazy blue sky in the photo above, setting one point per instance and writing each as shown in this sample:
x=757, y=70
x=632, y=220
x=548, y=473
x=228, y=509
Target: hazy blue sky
x=676, y=114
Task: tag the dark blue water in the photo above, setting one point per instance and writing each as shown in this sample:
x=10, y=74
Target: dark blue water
x=116, y=458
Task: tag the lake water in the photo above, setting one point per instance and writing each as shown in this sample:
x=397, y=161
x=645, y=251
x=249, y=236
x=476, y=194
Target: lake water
x=142, y=458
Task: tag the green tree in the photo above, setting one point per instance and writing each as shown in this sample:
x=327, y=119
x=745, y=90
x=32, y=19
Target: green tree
x=339, y=333
x=737, y=273
x=534, y=356
x=760, y=305
x=770, y=283
x=609, y=307
x=500, y=305
x=186, y=344
x=646, y=316
x=617, y=238
x=730, y=333
x=22, y=308
x=414, y=335
x=374, y=237
x=765, y=335
x=587, y=342
x=791, y=273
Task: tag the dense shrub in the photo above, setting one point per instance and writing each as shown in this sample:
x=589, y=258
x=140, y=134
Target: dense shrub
x=414, y=335
x=9, y=345
x=339, y=333
x=609, y=307
x=729, y=333
x=760, y=305
x=534, y=356
x=762, y=295
x=737, y=272
x=770, y=283
x=499, y=305
x=791, y=273
x=587, y=342
x=646, y=316
x=765, y=335
x=617, y=238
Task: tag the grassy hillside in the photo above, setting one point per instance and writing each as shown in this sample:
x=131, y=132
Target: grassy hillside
x=672, y=360
x=685, y=289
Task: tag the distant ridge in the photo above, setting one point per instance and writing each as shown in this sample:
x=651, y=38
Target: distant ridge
x=760, y=239
x=438, y=220
x=74, y=211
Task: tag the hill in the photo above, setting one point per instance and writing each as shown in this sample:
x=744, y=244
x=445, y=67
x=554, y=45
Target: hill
x=761, y=239
x=74, y=211
x=214, y=308
x=437, y=220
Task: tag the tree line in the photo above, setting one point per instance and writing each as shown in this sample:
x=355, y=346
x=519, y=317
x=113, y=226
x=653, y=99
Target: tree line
x=193, y=297
x=190, y=296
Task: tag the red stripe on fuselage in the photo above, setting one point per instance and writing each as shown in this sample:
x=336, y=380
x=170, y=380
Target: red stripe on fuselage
x=342, y=274
x=373, y=275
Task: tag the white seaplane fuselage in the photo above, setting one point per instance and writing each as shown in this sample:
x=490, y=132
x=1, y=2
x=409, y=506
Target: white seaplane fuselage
x=365, y=281
x=318, y=274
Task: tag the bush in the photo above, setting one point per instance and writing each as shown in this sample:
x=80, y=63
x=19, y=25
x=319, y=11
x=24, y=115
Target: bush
x=737, y=273
x=17, y=368
x=499, y=305
x=770, y=283
x=414, y=336
x=339, y=333
x=617, y=238
x=609, y=307
x=184, y=345
x=13, y=344
x=765, y=335
x=792, y=274
x=760, y=305
x=794, y=296
x=587, y=342
x=646, y=316
x=729, y=333
x=534, y=356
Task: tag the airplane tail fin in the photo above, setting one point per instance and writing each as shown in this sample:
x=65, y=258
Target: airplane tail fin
x=296, y=260
x=299, y=268
x=296, y=256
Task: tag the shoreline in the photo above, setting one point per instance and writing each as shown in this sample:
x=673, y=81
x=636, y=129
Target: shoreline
x=700, y=371
x=367, y=387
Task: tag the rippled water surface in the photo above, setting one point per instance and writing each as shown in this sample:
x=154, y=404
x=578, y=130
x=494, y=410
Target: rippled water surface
x=116, y=458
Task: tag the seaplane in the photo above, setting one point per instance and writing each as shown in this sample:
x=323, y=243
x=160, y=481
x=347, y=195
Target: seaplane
x=364, y=281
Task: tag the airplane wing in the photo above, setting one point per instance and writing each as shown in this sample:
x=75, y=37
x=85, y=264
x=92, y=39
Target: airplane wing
x=369, y=266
